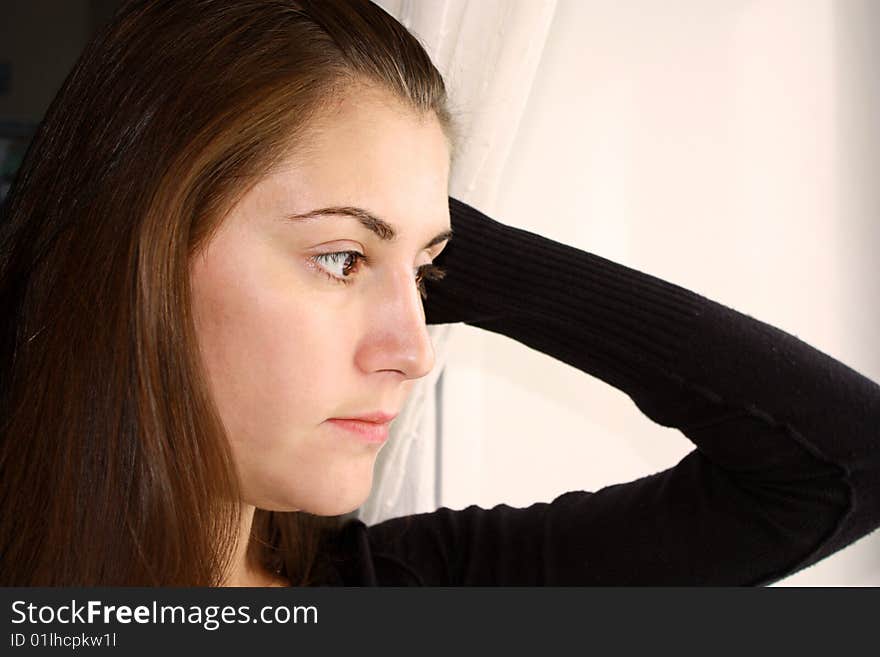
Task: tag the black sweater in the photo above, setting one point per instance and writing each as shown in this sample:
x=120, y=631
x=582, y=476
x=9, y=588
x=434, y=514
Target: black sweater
x=786, y=468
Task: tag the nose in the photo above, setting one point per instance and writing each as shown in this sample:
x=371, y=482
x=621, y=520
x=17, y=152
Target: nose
x=397, y=337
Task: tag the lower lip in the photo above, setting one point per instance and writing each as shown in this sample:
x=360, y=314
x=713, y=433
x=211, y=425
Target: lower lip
x=368, y=432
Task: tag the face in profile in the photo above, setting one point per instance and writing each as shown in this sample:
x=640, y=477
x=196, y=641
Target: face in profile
x=305, y=316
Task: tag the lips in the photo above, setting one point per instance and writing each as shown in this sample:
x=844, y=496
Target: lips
x=366, y=430
x=377, y=417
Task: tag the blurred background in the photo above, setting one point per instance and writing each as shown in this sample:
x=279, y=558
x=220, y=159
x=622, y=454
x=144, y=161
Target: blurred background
x=39, y=42
x=728, y=146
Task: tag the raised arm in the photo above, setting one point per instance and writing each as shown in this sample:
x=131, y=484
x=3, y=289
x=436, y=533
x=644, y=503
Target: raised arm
x=786, y=468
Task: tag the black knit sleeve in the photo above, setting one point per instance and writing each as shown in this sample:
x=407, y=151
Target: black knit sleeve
x=787, y=459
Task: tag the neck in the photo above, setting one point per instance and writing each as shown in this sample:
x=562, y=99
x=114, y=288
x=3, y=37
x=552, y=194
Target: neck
x=242, y=571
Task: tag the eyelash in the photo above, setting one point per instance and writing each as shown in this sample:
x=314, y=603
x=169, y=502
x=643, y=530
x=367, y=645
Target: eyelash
x=426, y=272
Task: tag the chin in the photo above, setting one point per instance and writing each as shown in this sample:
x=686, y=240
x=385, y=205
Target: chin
x=335, y=502
x=328, y=509
x=337, y=506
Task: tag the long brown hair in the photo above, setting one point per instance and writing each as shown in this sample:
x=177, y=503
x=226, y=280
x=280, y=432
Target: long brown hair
x=114, y=465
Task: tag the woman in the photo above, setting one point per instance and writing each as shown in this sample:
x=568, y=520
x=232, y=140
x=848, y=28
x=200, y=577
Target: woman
x=214, y=264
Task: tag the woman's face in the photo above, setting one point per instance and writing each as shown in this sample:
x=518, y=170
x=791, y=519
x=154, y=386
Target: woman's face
x=286, y=344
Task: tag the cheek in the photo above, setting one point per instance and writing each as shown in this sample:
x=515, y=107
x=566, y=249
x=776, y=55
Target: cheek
x=274, y=363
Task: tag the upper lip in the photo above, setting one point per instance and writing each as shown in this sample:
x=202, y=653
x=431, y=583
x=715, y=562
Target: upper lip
x=377, y=417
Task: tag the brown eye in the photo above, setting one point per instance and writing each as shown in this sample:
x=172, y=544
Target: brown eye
x=339, y=266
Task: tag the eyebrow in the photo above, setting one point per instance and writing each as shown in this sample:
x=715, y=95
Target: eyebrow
x=381, y=228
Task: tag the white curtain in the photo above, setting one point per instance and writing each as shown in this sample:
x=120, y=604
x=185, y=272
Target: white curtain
x=488, y=52
x=724, y=146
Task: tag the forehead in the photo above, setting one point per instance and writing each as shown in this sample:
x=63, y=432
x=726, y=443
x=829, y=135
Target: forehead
x=368, y=150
